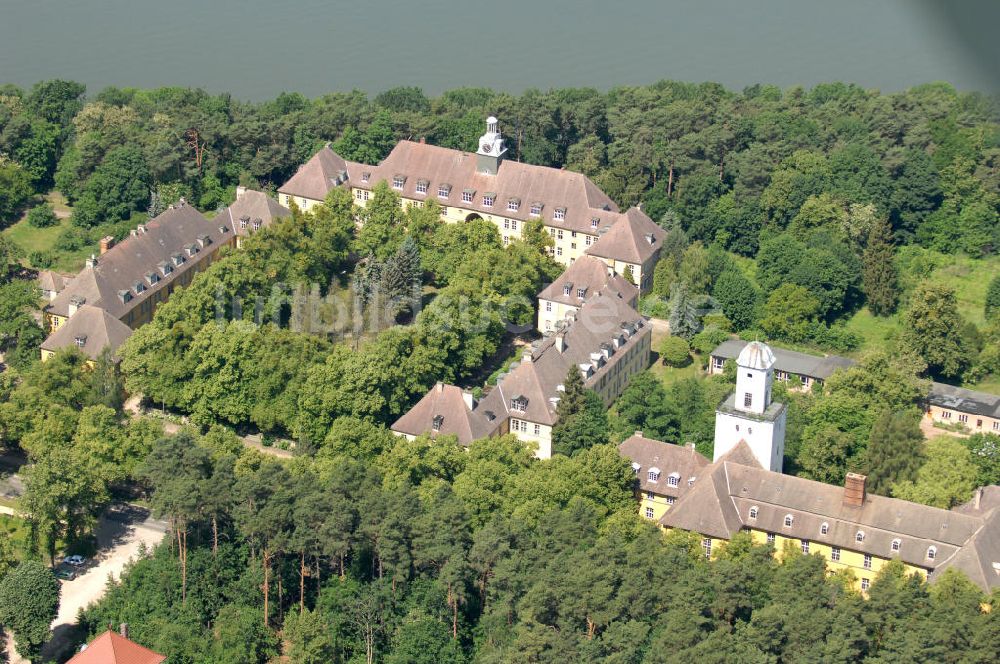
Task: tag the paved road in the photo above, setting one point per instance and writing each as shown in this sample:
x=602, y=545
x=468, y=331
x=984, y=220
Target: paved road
x=120, y=533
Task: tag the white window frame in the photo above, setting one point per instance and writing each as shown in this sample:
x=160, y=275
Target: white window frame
x=398, y=182
x=835, y=554
x=488, y=201
x=422, y=187
x=789, y=520
x=649, y=512
x=559, y=214
x=467, y=196
x=752, y=514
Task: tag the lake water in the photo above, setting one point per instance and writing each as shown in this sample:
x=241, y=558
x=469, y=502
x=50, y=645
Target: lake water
x=258, y=48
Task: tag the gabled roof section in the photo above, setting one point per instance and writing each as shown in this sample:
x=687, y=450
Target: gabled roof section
x=316, y=177
x=633, y=238
x=552, y=187
x=112, y=648
x=591, y=274
x=152, y=244
x=51, y=281
x=646, y=453
x=448, y=403
x=253, y=206
x=96, y=328
x=790, y=361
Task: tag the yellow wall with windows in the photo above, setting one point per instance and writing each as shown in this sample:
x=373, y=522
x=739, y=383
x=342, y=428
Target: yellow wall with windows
x=303, y=203
x=974, y=423
x=659, y=505
x=525, y=430
x=547, y=319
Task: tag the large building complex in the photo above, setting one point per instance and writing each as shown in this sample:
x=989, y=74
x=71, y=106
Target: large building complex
x=742, y=489
x=581, y=219
x=120, y=289
x=850, y=528
x=606, y=340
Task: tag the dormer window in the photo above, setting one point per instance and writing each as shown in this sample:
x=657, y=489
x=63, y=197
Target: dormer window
x=824, y=529
x=437, y=422
x=244, y=221
x=139, y=287
x=488, y=199
x=152, y=278
x=581, y=292
x=177, y=259
x=125, y=295
x=80, y=340
x=366, y=176
x=567, y=289
x=673, y=479
x=753, y=513
x=422, y=186
x=653, y=475
x=536, y=209
x=444, y=190
x=788, y=520
x=595, y=222
x=165, y=268
x=635, y=468
x=519, y=404
x=931, y=553
x=257, y=223
x=559, y=213
x=204, y=240
x=192, y=249
x=513, y=204
x=896, y=544
x=468, y=195
x=859, y=536
x=398, y=181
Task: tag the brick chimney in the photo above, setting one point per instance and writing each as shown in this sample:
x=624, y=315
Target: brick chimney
x=107, y=242
x=854, y=490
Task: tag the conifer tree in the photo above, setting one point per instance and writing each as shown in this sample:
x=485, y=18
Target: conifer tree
x=683, y=317
x=895, y=450
x=573, y=398
x=991, y=308
x=878, y=270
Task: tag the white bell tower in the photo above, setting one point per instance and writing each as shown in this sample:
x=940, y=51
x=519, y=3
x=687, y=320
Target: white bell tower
x=749, y=414
x=491, y=148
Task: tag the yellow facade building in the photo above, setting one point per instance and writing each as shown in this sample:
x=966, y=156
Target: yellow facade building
x=580, y=218
x=851, y=529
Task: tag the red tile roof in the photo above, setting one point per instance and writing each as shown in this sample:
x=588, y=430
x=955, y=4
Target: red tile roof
x=112, y=648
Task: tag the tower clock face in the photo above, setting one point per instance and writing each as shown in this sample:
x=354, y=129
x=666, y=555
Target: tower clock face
x=487, y=147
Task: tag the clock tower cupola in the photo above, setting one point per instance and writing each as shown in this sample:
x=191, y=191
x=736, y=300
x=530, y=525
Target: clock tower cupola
x=491, y=148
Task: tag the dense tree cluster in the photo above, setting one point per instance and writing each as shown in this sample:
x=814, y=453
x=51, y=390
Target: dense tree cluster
x=417, y=551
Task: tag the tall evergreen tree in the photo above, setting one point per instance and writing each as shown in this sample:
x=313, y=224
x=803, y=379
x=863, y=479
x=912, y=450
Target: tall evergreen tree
x=878, y=270
x=573, y=398
x=991, y=309
x=683, y=317
x=895, y=450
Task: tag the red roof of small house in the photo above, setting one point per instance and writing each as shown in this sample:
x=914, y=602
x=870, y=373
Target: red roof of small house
x=113, y=648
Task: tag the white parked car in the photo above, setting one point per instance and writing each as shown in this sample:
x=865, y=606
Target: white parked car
x=75, y=561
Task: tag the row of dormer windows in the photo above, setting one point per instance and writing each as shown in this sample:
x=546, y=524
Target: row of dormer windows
x=859, y=536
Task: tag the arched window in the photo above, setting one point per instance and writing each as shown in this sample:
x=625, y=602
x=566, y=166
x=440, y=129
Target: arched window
x=931, y=553
x=635, y=468
x=674, y=479
x=860, y=536
x=788, y=520
x=753, y=512
x=896, y=544
x=824, y=529
x=654, y=474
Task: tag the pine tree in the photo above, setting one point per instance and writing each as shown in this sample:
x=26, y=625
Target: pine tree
x=683, y=317
x=894, y=450
x=156, y=206
x=992, y=307
x=573, y=398
x=878, y=270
